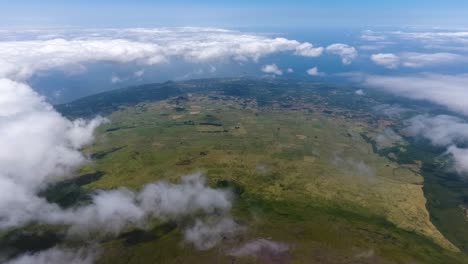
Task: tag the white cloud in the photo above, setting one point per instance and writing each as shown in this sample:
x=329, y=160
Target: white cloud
x=308, y=50
x=419, y=60
x=39, y=146
x=259, y=248
x=360, y=92
x=416, y=60
x=393, y=111
x=446, y=90
x=441, y=37
x=20, y=60
x=112, y=212
x=57, y=256
x=29, y=145
x=387, y=60
x=314, y=72
x=460, y=157
x=290, y=70
x=346, y=52
x=441, y=130
x=436, y=40
x=369, y=35
x=445, y=131
x=206, y=234
x=272, y=69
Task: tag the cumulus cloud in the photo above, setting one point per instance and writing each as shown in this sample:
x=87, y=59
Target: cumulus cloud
x=444, y=131
x=446, y=90
x=308, y=50
x=346, y=52
x=314, y=72
x=441, y=130
x=57, y=256
x=112, y=212
x=40, y=147
x=206, y=234
x=460, y=157
x=35, y=138
x=20, y=60
x=272, y=69
x=360, y=92
x=387, y=60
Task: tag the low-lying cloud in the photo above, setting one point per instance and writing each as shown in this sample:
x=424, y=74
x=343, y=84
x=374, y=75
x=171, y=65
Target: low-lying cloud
x=346, y=52
x=387, y=60
x=205, y=234
x=353, y=167
x=445, y=90
x=416, y=59
x=443, y=131
x=57, y=256
x=112, y=212
x=19, y=60
x=314, y=72
x=272, y=69
x=267, y=250
x=41, y=147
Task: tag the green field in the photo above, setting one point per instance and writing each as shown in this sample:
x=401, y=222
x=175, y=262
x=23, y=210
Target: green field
x=300, y=159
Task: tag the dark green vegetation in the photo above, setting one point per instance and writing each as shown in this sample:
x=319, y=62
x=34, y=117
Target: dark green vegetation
x=446, y=192
x=301, y=158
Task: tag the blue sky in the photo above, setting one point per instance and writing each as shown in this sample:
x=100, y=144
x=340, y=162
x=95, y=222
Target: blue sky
x=240, y=13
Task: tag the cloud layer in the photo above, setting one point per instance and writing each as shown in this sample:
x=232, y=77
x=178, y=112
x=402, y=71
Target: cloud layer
x=19, y=60
x=446, y=90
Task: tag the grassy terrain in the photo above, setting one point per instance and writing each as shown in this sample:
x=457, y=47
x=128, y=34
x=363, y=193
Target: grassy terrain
x=302, y=159
x=307, y=176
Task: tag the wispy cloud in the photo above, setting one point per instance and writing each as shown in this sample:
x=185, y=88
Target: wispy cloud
x=416, y=59
x=57, y=256
x=446, y=90
x=387, y=60
x=444, y=131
